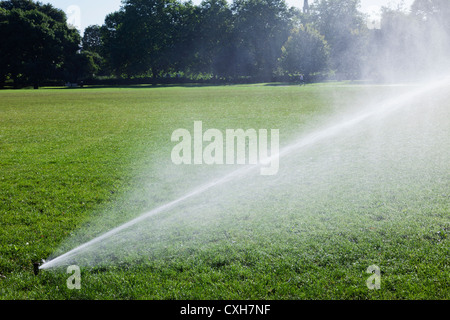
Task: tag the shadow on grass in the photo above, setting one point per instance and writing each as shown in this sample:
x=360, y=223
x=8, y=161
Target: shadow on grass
x=144, y=86
x=182, y=85
x=189, y=85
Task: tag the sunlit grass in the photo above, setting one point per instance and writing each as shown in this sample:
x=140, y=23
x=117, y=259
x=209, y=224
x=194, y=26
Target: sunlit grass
x=70, y=157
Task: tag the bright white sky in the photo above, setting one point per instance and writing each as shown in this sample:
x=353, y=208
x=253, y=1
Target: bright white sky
x=94, y=11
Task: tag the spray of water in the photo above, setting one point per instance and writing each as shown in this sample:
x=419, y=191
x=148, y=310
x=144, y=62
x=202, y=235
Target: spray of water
x=327, y=132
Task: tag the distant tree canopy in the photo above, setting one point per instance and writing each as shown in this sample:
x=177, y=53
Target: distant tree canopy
x=35, y=42
x=156, y=37
x=344, y=28
x=216, y=40
x=305, y=52
x=412, y=44
x=92, y=39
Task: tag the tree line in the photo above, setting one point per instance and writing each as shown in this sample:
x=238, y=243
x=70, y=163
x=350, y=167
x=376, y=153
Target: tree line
x=217, y=40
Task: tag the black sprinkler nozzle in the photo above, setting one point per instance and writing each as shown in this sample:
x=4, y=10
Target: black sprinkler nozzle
x=36, y=266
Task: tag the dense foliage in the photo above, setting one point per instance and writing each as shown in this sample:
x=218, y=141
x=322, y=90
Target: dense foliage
x=246, y=40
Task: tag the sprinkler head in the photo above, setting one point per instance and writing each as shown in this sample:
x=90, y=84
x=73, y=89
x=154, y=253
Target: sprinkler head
x=36, y=266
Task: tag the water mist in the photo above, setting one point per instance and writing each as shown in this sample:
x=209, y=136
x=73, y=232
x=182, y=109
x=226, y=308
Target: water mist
x=315, y=168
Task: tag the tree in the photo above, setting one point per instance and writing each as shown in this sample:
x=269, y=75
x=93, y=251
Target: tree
x=262, y=27
x=306, y=52
x=81, y=66
x=399, y=43
x=93, y=48
x=115, y=43
x=35, y=41
x=141, y=38
x=413, y=44
x=344, y=28
x=432, y=16
x=212, y=45
x=433, y=11
x=92, y=39
x=185, y=36
x=4, y=59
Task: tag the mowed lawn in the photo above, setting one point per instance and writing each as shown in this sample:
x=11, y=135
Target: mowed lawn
x=70, y=156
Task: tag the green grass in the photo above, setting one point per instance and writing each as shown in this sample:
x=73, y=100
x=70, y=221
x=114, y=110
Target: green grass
x=72, y=159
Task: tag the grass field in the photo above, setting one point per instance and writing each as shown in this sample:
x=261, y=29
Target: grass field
x=89, y=159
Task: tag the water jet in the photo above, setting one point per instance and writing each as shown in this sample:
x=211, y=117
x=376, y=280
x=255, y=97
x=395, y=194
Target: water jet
x=380, y=110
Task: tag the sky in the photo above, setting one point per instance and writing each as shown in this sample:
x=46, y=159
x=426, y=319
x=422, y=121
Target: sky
x=83, y=13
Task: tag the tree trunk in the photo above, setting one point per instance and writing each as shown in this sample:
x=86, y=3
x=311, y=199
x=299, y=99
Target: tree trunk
x=154, y=77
